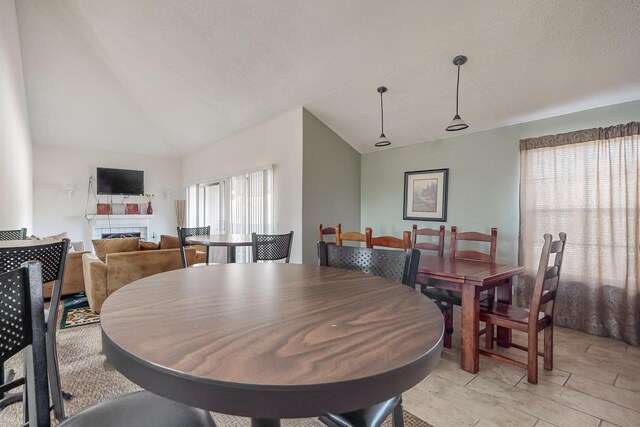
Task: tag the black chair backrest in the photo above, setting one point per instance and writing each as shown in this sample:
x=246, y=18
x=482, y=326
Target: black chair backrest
x=53, y=257
x=13, y=234
x=271, y=247
x=22, y=319
x=399, y=266
x=184, y=232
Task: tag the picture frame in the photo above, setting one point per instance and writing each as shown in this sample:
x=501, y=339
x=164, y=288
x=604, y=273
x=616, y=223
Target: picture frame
x=425, y=195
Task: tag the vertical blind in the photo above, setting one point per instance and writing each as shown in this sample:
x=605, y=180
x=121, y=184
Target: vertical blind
x=239, y=204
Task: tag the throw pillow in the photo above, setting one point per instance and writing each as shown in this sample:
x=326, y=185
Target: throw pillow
x=148, y=246
x=169, y=242
x=103, y=247
x=55, y=237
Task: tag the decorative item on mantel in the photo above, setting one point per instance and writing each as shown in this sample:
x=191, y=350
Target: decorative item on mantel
x=148, y=198
x=132, y=209
x=103, y=209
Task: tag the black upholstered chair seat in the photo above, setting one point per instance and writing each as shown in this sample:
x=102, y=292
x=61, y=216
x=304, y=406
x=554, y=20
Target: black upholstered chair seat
x=451, y=297
x=140, y=409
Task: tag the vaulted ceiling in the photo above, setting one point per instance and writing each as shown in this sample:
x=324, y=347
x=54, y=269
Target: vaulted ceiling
x=171, y=76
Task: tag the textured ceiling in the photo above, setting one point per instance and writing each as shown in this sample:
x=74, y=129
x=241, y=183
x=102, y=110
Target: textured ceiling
x=170, y=76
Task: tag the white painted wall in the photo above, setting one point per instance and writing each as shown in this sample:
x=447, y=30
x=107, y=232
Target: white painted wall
x=331, y=183
x=55, y=168
x=277, y=141
x=484, y=175
x=16, y=182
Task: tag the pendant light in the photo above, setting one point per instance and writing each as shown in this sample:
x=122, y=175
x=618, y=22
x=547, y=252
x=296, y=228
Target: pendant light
x=382, y=141
x=457, y=123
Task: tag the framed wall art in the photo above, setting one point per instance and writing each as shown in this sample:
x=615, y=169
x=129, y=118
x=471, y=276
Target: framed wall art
x=425, y=195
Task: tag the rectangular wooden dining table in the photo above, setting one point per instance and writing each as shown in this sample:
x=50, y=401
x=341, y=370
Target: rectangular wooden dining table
x=470, y=278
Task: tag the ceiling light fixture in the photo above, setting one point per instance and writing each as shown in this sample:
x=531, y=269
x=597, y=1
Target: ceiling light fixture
x=457, y=123
x=383, y=141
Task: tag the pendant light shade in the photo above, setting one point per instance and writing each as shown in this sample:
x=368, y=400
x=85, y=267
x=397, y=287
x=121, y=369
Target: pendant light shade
x=383, y=141
x=457, y=123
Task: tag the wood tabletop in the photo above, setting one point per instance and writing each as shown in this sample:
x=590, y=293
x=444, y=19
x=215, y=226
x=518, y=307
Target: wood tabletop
x=272, y=340
x=466, y=271
x=221, y=240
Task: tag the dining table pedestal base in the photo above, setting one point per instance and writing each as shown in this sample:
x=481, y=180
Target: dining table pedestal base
x=265, y=422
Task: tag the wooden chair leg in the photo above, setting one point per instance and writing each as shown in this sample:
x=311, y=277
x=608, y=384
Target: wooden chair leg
x=532, y=357
x=398, y=416
x=548, y=347
x=448, y=326
x=488, y=336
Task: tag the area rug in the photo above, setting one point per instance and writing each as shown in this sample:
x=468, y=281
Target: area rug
x=76, y=312
x=85, y=372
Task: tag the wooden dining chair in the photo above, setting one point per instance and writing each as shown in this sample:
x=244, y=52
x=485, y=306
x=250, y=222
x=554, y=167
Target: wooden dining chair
x=398, y=266
x=429, y=232
x=20, y=234
x=183, y=233
x=447, y=299
x=53, y=257
x=350, y=236
x=24, y=330
x=472, y=236
x=388, y=241
x=326, y=231
x=539, y=316
x=271, y=247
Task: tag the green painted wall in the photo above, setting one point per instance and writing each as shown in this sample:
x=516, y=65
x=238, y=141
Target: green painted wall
x=330, y=183
x=484, y=170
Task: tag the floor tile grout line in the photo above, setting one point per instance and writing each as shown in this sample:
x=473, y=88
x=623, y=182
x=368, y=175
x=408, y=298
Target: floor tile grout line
x=580, y=410
x=602, y=398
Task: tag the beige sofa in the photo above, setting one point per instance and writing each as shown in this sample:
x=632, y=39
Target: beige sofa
x=73, y=278
x=102, y=278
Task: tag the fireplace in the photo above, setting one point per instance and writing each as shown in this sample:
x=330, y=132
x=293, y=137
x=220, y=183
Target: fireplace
x=119, y=235
x=115, y=226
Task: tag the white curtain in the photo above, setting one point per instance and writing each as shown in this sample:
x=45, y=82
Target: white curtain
x=586, y=184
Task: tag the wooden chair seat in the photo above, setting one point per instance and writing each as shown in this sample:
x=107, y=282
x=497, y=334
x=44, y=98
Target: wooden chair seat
x=511, y=316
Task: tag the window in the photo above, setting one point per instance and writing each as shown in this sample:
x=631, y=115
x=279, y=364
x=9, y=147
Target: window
x=587, y=184
x=239, y=204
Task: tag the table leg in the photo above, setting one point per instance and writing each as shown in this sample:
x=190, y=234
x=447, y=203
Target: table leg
x=469, y=360
x=504, y=295
x=265, y=422
x=231, y=254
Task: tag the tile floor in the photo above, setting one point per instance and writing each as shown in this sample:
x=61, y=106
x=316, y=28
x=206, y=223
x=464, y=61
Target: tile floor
x=595, y=382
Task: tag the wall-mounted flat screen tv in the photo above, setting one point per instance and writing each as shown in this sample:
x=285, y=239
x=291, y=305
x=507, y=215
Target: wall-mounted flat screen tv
x=120, y=181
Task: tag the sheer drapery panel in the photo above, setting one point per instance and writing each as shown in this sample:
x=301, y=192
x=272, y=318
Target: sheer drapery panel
x=586, y=184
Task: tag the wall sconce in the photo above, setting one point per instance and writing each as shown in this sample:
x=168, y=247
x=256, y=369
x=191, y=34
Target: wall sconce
x=69, y=189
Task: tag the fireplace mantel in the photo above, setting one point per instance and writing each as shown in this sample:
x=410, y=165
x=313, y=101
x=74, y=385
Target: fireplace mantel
x=121, y=224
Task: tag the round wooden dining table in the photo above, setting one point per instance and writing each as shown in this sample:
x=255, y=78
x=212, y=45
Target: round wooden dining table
x=270, y=340
x=231, y=241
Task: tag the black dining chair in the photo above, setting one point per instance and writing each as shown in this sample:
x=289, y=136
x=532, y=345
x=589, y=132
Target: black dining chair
x=398, y=266
x=24, y=324
x=53, y=256
x=13, y=234
x=271, y=247
x=183, y=233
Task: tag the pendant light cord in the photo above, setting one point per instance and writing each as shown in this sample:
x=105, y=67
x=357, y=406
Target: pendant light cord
x=381, y=113
x=457, y=89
